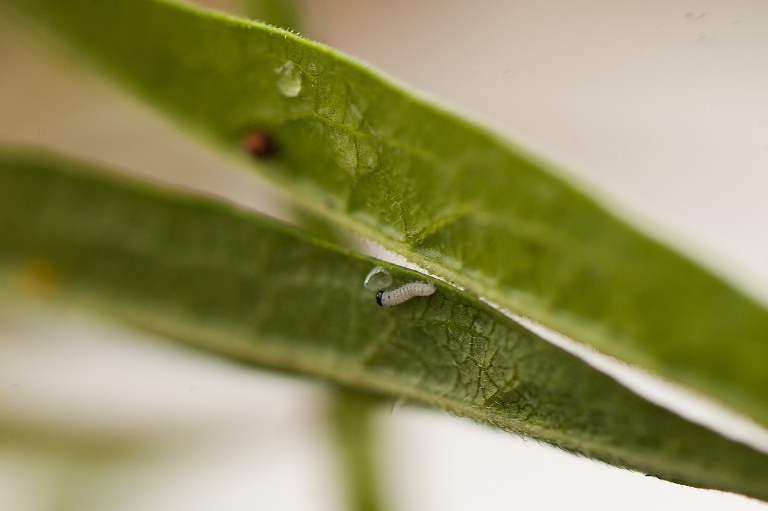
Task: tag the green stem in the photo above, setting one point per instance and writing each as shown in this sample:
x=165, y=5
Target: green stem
x=352, y=416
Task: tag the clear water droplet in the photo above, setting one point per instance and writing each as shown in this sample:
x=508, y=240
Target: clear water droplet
x=288, y=80
x=377, y=279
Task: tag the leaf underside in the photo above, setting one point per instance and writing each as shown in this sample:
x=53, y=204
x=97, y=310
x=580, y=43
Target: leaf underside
x=445, y=194
x=256, y=290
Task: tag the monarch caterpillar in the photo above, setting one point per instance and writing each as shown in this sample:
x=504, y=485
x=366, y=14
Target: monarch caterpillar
x=393, y=297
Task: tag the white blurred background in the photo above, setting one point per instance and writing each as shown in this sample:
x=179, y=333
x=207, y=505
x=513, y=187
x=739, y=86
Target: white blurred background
x=660, y=106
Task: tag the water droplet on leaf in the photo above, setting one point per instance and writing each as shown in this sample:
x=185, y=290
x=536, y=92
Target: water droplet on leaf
x=288, y=80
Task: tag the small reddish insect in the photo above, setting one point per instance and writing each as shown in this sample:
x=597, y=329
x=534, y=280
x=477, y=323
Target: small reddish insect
x=405, y=292
x=259, y=144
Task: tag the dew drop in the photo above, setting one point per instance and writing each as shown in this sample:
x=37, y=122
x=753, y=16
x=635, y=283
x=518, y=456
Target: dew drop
x=377, y=279
x=288, y=80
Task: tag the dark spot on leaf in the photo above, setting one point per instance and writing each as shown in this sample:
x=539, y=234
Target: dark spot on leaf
x=259, y=144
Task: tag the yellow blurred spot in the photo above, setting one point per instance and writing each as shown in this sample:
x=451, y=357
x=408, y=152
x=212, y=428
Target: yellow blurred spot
x=38, y=279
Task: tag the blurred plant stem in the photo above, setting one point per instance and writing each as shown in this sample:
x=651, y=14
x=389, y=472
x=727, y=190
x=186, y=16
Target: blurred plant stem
x=352, y=419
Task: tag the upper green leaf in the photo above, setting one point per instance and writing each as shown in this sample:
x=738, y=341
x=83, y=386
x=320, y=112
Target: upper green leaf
x=245, y=286
x=448, y=195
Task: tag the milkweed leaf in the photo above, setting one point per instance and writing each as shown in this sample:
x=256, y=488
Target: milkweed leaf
x=244, y=286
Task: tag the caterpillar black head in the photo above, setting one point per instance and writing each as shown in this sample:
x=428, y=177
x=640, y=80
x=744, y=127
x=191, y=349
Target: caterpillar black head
x=378, y=298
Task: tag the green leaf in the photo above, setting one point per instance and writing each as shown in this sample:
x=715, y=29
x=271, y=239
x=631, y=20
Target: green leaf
x=256, y=290
x=445, y=194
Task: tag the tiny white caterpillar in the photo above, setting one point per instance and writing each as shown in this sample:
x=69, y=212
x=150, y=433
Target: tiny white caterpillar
x=405, y=292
